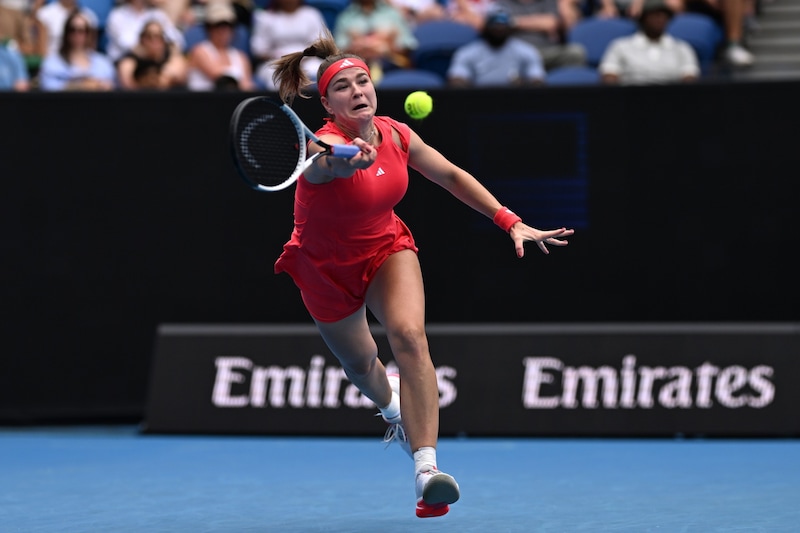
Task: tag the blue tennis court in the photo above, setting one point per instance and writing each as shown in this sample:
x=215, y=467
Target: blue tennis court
x=114, y=479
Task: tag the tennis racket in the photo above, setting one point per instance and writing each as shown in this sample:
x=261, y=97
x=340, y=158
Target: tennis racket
x=269, y=146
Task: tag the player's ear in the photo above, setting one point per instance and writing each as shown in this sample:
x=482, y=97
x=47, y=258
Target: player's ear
x=326, y=105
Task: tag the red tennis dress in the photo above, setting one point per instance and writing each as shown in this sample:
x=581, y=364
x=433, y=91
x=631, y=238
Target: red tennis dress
x=345, y=229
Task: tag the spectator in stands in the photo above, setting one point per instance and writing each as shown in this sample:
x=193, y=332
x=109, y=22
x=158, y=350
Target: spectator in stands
x=376, y=31
x=154, y=63
x=125, y=23
x=13, y=73
x=470, y=12
x=146, y=77
x=13, y=23
x=53, y=15
x=650, y=55
x=26, y=34
x=419, y=11
x=540, y=22
x=283, y=27
x=244, y=10
x=571, y=12
x=215, y=59
x=180, y=12
x=731, y=15
x=496, y=59
x=601, y=8
x=631, y=8
x=77, y=66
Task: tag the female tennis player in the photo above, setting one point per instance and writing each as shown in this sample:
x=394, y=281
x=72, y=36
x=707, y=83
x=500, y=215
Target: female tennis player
x=349, y=251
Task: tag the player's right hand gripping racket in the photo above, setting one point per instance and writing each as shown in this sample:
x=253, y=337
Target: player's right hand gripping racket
x=268, y=142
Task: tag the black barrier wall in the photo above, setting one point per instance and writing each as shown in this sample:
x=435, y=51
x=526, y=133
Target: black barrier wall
x=122, y=212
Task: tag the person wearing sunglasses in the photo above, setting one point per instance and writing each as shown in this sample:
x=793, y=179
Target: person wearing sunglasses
x=77, y=65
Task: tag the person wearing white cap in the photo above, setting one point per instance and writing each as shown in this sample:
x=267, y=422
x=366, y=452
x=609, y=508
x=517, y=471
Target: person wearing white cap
x=214, y=63
x=125, y=23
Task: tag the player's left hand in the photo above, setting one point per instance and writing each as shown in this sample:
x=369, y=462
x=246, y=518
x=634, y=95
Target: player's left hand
x=522, y=233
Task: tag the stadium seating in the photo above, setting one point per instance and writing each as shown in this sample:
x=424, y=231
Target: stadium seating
x=573, y=75
x=101, y=8
x=701, y=32
x=596, y=33
x=438, y=41
x=330, y=9
x=410, y=79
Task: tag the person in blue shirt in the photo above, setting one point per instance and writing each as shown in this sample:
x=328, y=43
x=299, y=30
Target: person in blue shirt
x=13, y=73
x=496, y=59
x=77, y=66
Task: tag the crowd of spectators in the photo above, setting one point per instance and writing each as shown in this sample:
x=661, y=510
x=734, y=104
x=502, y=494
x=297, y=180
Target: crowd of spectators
x=147, y=45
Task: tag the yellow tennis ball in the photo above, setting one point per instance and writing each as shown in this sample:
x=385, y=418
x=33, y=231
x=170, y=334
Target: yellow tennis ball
x=419, y=105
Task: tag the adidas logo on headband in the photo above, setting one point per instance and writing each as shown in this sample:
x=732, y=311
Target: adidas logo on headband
x=336, y=67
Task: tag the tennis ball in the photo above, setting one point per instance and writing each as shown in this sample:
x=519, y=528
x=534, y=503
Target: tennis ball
x=419, y=105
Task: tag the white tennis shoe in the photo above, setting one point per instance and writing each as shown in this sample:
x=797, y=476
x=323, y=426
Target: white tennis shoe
x=435, y=492
x=396, y=432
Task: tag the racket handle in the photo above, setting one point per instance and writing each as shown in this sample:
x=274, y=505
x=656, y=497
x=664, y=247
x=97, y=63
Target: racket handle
x=345, y=151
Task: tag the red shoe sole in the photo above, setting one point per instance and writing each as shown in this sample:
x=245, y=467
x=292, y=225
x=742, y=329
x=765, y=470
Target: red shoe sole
x=425, y=510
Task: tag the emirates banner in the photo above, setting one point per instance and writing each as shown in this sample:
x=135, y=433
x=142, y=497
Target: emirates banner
x=494, y=380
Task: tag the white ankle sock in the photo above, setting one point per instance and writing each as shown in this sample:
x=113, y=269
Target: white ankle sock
x=424, y=459
x=392, y=410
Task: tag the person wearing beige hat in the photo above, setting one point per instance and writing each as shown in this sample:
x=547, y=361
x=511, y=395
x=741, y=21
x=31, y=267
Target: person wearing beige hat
x=651, y=55
x=216, y=59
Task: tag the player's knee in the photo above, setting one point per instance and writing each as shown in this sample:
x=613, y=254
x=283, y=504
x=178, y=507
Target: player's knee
x=410, y=341
x=359, y=367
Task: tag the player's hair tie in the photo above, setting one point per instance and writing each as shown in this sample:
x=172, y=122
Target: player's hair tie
x=505, y=218
x=335, y=67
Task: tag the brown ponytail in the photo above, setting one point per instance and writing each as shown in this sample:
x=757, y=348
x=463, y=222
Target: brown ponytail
x=291, y=80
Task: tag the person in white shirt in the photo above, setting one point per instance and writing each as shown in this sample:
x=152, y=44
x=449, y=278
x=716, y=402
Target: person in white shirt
x=651, y=55
x=284, y=27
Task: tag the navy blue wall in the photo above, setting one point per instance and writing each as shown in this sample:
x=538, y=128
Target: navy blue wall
x=123, y=211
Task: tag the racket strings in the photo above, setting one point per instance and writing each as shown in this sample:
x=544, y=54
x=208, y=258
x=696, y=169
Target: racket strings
x=268, y=144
